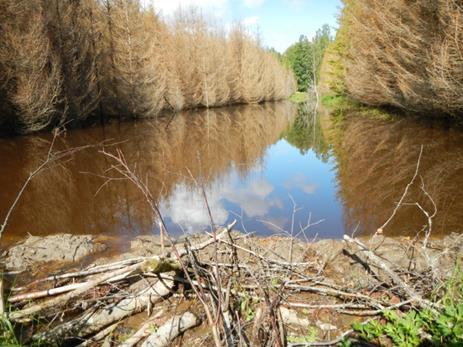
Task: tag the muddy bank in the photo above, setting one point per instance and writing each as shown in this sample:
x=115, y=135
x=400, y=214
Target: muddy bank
x=332, y=255
x=262, y=284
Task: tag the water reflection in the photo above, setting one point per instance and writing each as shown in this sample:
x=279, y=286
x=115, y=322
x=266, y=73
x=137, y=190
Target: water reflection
x=238, y=153
x=376, y=160
x=257, y=163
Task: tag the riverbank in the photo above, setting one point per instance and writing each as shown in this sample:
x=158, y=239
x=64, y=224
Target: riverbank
x=250, y=288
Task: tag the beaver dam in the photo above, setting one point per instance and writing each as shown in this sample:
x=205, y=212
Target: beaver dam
x=245, y=226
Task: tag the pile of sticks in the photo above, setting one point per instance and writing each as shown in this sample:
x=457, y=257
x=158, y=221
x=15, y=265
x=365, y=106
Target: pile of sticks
x=245, y=297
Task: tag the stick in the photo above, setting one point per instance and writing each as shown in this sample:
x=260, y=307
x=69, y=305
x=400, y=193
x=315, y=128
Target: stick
x=141, y=333
x=171, y=329
x=91, y=322
x=98, y=337
x=2, y=305
x=153, y=264
x=394, y=277
x=161, y=234
x=59, y=290
x=89, y=271
x=405, y=193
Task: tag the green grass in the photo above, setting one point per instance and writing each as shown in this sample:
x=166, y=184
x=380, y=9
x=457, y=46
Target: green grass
x=7, y=335
x=343, y=106
x=422, y=327
x=299, y=97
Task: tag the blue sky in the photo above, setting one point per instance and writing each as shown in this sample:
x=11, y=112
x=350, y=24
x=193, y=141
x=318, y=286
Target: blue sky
x=280, y=22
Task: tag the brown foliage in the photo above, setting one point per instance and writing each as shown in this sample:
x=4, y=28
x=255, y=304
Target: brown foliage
x=376, y=161
x=406, y=54
x=67, y=61
x=222, y=138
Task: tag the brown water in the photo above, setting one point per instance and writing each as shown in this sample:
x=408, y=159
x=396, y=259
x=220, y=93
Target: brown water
x=270, y=167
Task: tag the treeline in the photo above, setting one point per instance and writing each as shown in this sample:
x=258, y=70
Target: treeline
x=304, y=57
x=68, y=61
x=407, y=54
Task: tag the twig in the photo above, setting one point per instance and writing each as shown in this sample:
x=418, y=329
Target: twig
x=394, y=277
x=405, y=193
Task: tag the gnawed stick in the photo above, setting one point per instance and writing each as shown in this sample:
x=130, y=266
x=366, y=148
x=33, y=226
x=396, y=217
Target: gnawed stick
x=378, y=262
x=94, y=321
x=336, y=293
x=143, y=332
x=220, y=235
x=2, y=305
x=87, y=272
x=153, y=264
x=46, y=292
x=100, y=336
x=284, y=264
x=59, y=290
x=171, y=329
x=121, y=264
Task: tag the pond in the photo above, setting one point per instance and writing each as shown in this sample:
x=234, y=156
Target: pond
x=275, y=168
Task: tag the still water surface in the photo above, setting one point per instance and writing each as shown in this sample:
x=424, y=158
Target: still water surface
x=273, y=167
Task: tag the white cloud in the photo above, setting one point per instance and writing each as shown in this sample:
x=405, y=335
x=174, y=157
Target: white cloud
x=250, y=21
x=185, y=206
x=254, y=198
x=253, y=3
x=167, y=7
x=299, y=181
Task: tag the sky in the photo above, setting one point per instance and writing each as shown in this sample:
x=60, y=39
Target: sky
x=279, y=22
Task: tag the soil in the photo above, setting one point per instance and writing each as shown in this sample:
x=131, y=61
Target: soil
x=336, y=260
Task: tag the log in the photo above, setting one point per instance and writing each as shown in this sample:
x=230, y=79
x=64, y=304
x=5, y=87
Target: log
x=171, y=329
x=94, y=321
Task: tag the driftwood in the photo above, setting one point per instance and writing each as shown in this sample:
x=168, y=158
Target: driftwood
x=170, y=330
x=94, y=321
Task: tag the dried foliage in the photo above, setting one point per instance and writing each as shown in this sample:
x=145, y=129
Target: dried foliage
x=63, y=62
x=406, y=54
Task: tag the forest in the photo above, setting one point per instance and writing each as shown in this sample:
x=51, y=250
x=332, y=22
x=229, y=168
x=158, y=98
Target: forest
x=400, y=53
x=64, y=63
x=305, y=57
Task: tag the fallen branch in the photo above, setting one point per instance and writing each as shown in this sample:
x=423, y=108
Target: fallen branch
x=378, y=262
x=100, y=336
x=171, y=329
x=141, y=333
x=153, y=264
x=94, y=321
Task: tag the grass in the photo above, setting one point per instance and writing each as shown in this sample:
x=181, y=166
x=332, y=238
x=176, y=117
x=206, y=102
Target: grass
x=299, y=97
x=423, y=327
x=7, y=334
x=342, y=106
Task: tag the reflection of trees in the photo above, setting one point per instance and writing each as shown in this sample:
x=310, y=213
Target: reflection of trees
x=306, y=134
x=377, y=159
x=207, y=143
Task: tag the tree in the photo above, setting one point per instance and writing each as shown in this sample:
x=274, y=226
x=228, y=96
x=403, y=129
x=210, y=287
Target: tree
x=298, y=58
x=30, y=78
